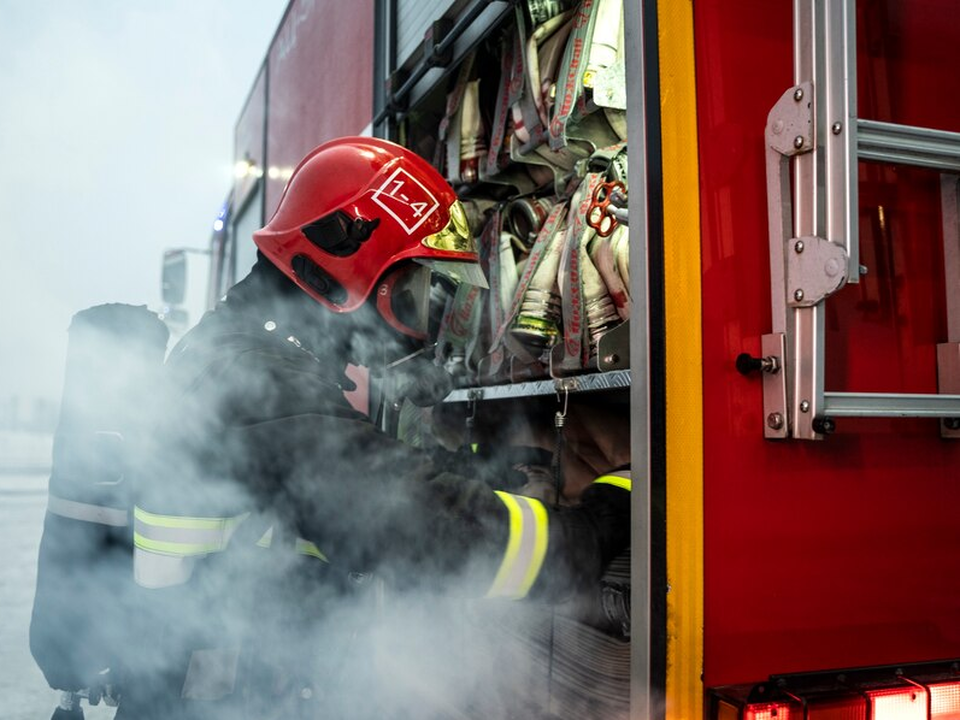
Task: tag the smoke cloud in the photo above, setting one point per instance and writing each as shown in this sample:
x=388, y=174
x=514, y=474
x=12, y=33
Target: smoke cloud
x=383, y=625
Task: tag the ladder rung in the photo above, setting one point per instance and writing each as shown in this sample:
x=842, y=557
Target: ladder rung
x=908, y=145
x=890, y=405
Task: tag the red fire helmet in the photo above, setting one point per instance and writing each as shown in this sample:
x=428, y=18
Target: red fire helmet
x=357, y=206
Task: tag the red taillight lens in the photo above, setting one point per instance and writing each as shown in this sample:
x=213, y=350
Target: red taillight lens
x=772, y=711
x=945, y=701
x=849, y=708
x=898, y=703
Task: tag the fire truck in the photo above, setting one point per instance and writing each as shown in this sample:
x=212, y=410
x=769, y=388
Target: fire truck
x=785, y=379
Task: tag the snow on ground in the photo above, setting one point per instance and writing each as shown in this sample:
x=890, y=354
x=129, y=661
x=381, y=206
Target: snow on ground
x=24, y=694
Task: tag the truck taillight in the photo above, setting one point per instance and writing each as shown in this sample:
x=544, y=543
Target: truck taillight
x=917, y=692
x=772, y=711
x=898, y=704
x=945, y=701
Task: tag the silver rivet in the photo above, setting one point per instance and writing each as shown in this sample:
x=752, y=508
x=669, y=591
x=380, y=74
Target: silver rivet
x=798, y=94
x=775, y=421
x=798, y=295
x=798, y=246
x=863, y=270
x=798, y=142
x=611, y=359
x=269, y=326
x=805, y=406
x=836, y=128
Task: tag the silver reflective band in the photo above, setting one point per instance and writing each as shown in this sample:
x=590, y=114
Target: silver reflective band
x=86, y=512
x=153, y=570
x=526, y=547
x=165, y=546
x=181, y=535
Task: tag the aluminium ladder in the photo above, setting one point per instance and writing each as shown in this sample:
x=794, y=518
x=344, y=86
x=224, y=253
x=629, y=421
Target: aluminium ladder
x=814, y=140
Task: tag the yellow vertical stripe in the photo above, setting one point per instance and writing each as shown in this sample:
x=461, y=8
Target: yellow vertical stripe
x=539, y=544
x=681, y=215
x=513, y=544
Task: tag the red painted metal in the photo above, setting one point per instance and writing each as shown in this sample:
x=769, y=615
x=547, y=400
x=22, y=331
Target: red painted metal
x=320, y=82
x=248, y=137
x=844, y=552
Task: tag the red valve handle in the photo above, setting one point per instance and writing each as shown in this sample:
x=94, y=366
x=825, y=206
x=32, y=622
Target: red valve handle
x=599, y=216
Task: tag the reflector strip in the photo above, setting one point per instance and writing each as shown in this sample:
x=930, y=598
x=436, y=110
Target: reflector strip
x=182, y=536
x=302, y=546
x=772, y=711
x=945, y=701
x=305, y=547
x=526, y=547
x=86, y=512
x=620, y=480
x=898, y=704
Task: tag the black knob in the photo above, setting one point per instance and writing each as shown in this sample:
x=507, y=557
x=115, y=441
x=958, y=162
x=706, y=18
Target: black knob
x=824, y=425
x=747, y=363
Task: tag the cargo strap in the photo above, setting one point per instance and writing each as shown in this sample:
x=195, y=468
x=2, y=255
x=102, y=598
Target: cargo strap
x=546, y=240
x=597, y=22
x=611, y=255
x=459, y=332
x=502, y=273
x=587, y=306
x=495, y=161
x=100, y=514
x=453, y=124
x=526, y=547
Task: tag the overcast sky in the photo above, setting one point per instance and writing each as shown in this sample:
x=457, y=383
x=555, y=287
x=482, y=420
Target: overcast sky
x=116, y=138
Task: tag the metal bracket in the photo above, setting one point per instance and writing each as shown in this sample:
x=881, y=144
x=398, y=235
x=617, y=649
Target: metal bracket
x=776, y=424
x=948, y=382
x=613, y=348
x=790, y=123
x=816, y=269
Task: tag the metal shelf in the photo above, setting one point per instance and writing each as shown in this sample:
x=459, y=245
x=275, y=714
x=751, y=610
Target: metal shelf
x=575, y=384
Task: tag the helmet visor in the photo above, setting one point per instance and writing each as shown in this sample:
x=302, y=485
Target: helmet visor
x=456, y=236
x=460, y=272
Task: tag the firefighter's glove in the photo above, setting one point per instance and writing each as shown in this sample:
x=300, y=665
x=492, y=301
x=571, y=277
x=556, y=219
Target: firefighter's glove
x=606, y=507
x=424, y=383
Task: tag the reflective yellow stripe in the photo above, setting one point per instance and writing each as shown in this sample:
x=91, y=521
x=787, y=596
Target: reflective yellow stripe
x=266, y=539
x=526, y=547
x=539, y=545
x=182, y=535
x=682, y=277
x=302, y=547
x=617, y=480
x=305, y=547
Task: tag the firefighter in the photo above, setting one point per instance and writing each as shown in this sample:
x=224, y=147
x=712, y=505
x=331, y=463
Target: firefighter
x=264, y=498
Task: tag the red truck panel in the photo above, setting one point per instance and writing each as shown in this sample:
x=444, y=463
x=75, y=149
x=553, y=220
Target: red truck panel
x=320, y=81
x=248, y=137
x=844, y=552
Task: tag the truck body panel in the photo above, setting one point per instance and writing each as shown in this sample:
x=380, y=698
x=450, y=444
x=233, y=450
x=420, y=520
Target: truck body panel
x=838, y=553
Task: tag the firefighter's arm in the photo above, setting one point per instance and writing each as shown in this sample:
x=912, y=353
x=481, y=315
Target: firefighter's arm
x=372, y=503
